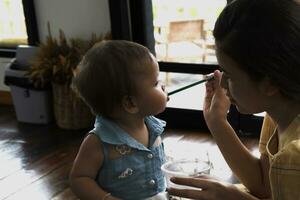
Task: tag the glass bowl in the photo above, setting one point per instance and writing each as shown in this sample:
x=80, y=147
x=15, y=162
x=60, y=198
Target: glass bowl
x=185, y=168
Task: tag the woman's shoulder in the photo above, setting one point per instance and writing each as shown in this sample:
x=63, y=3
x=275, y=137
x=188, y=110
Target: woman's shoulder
x=268, y=126
x=267, y=130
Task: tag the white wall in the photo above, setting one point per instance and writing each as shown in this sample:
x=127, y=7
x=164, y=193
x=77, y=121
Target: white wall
x=77, y=18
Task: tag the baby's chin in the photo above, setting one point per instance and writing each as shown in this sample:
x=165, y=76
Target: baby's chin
x=162, y=110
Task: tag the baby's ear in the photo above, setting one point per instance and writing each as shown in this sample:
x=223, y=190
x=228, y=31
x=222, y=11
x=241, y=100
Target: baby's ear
x=129, y=104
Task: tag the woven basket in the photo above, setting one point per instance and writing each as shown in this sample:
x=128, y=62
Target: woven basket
x=70, y=111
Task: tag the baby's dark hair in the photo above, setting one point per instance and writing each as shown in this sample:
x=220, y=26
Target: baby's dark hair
x=263, y=38
x=107, y=73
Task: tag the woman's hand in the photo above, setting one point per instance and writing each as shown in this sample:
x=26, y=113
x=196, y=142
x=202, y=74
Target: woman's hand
x=205, y=188
x=216, y=103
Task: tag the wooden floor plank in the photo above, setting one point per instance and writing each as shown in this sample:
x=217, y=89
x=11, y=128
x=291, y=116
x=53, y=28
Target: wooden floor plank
x=35, y=160
x=46, y=187
x=33, y=172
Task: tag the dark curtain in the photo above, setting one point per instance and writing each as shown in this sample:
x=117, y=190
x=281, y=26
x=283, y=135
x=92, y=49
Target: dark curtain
x=131, y=20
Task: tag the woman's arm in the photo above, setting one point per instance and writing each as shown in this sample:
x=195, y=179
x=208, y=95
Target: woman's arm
x=85, y=168
x=251, y=171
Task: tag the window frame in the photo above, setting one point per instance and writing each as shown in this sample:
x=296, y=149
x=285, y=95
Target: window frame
x=131, y=21
x=31, y=27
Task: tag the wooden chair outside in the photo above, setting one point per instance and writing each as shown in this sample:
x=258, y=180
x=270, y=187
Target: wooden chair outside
x=184, y=31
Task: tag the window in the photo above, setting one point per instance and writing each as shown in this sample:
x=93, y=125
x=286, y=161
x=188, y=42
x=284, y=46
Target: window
x=17, y=25
x=183, y=34
x=183, y=29
x=179, y=33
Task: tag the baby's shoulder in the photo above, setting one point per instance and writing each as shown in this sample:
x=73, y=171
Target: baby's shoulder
x=92, y=140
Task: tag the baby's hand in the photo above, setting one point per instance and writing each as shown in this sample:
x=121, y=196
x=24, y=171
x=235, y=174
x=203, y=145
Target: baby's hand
x=216, y=103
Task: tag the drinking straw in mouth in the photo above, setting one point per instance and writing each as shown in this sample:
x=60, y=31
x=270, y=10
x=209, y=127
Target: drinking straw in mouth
x=208, y=78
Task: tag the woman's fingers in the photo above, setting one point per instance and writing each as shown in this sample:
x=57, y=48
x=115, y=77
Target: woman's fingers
x=209, y=86
x=188, y=193
x=204, y=188
x=193, y=182
x=199, y=190
x=213, y=85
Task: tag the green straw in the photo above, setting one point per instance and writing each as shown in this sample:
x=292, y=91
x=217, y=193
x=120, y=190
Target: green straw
x=191, y=85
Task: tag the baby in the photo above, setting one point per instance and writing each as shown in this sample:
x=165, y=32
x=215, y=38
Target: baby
x=121, y=157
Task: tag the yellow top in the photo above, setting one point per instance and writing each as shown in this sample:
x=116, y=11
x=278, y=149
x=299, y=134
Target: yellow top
x=284, y=157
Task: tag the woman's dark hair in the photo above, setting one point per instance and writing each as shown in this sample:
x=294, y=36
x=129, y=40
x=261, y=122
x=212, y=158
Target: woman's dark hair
x=263, y=38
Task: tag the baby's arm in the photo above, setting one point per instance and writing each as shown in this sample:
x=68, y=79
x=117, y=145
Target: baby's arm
x=85, y=168
x=250, y=170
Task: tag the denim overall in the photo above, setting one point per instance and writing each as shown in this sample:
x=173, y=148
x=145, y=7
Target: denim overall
x=136, y=175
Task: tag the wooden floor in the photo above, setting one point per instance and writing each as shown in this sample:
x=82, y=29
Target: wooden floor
x=35, y=159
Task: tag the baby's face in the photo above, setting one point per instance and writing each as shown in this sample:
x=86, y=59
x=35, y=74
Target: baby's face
x=151, y=97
